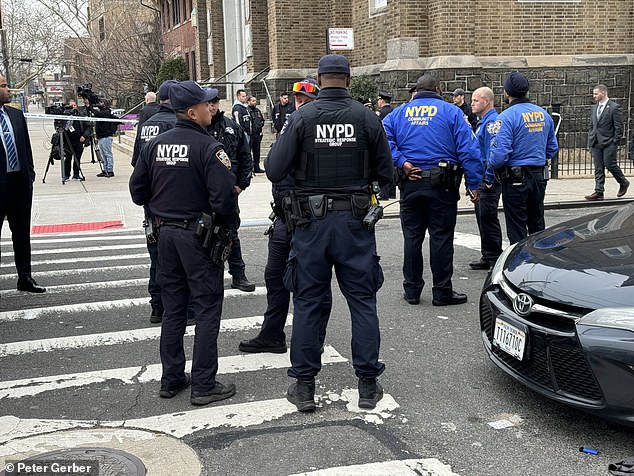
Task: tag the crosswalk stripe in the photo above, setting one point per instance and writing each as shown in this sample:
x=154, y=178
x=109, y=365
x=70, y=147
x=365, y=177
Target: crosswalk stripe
x=85, y=249
x=69, y=272
x=27, y=314
x=119, y=283
x=36, y=242
x=41, y=241
x=81, y=259
x=151, y=373
x=178, y=425
x=471, y=241
x=119, y=337
x=406, y=467
x=81, y=234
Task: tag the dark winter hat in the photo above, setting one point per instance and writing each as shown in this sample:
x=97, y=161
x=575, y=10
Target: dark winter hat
x=516, y=85
x=333, y=64
x=164, y=89
x=188, y=93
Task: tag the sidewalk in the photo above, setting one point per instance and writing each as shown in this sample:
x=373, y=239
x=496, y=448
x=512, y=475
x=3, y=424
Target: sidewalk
x=107, y=199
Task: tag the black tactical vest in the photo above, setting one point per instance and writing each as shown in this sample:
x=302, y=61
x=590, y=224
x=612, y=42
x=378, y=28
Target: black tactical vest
x=335, y=148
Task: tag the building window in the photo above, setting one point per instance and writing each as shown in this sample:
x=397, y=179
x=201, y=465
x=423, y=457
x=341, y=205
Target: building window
x=377, y=7
x=102, y=29
x=193, y=75
x=176, y=12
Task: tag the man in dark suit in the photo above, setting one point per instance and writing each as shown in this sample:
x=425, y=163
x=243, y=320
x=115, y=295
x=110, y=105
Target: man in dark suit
x=16, y=186
x=603, y=140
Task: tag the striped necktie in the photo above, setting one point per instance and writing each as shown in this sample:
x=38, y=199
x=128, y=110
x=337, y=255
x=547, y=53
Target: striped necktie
x=9, y=145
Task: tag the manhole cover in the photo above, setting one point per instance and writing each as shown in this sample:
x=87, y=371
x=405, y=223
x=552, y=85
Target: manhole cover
x=75, y=461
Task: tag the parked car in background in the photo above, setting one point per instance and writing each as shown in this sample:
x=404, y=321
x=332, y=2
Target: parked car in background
x=557, y=313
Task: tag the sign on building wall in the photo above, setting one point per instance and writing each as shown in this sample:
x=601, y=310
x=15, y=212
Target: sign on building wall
x=340, y=39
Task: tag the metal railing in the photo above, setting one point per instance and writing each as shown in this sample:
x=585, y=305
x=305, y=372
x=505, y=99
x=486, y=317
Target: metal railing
x=574, y=155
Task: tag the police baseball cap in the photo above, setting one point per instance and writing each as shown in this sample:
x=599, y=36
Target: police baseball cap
x=308, y=87
x=385, y=95
x=458, y=92
x=164, y=89
x=215, y=92
x=188, y=93
x=333, y=64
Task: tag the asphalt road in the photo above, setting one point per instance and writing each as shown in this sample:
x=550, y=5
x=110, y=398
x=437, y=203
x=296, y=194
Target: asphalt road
x=443, y=392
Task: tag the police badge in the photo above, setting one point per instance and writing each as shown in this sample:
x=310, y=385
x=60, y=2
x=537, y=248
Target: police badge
x=494, y=127
x=222, y=156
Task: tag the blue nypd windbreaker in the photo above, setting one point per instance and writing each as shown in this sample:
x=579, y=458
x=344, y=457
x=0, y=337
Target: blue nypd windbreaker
x=427, y=130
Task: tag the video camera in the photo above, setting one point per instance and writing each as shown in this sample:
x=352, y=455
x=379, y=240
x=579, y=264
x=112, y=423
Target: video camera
x=85, y=91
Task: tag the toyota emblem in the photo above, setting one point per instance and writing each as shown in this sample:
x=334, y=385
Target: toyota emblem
x=522, y=304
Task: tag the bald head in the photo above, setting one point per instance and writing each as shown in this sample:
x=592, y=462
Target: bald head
x=150, y=97
x=482, y=101
x=427, y=82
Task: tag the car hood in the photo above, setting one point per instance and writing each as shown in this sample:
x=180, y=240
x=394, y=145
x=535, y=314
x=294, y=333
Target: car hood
x=586, y=262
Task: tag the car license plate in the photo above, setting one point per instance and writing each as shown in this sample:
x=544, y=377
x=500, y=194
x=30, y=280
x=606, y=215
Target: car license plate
x=509, y=338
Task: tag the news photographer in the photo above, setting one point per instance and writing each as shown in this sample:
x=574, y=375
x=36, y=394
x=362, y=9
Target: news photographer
x=104, y=132
x=76, y=131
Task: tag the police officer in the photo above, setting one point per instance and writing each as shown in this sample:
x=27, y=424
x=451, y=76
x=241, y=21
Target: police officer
x=334, y=148
x=523, y=142
x=486, y=209
x=433, y=144
x=271, y=337
x=383, y=102
x=236, y=145
x=181, y=175
x=162, y=121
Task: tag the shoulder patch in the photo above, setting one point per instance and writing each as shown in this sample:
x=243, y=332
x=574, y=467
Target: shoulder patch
x=222, y=156
x=229, y=130
x=494, y=127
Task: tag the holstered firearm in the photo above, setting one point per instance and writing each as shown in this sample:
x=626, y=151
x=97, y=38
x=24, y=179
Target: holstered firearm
x=151, y=230
x=215, y=238
x=293, y=216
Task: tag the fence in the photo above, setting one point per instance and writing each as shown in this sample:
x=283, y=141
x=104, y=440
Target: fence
x=574, y=156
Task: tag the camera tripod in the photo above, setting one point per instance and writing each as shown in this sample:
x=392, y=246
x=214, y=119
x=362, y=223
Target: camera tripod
x=59, y=150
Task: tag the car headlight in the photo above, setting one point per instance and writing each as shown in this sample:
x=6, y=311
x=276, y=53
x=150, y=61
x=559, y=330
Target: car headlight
x=496, y=272
x=612, y=317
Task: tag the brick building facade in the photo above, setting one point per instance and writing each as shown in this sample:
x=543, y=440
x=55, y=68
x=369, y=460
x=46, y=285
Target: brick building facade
x=563, y=46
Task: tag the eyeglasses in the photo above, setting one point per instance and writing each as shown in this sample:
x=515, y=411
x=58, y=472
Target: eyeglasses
x=305, y=87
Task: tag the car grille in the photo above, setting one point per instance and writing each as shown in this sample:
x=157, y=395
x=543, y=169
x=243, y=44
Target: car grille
x=553, y=362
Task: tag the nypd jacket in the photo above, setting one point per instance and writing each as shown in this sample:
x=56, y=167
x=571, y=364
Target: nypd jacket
x=484, y=131
x=160, y=122
x=525, y=136
x=236, y=145
x=182, y=173
x=352, y=127
x=428, y=130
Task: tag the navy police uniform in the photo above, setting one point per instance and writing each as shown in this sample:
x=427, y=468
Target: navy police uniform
x=524, y=141
x=486, y=209
x=162, y=121
x=236, y=145
x=334, y=148
x=180, y=174
x=434, y=136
